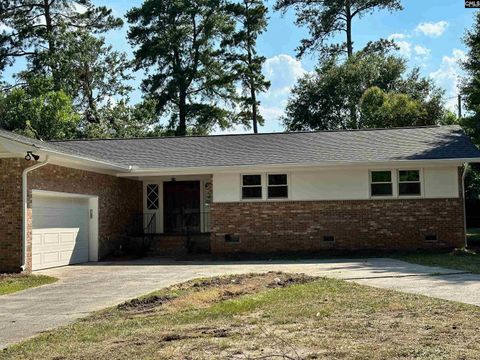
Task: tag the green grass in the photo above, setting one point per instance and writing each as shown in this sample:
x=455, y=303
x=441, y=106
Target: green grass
x=473, y=235
x=456, y=260
x=464, y=261
x=17, y=282
x=247, y=319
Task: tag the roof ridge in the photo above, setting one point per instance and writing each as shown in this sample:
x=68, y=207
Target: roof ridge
x=251, y=134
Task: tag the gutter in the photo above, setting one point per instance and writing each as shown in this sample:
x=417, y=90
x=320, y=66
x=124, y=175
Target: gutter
x=62, y=153
x=25, y=173
x=465, y=167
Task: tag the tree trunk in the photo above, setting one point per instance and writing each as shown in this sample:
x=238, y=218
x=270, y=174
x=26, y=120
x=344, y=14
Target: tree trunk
x=182, y=116
x=348, y=15
x=51, y=44
x=254, y=109
x=253, y=95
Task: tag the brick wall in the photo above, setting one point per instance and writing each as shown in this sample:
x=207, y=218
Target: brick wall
x=10, y=214
x=118, y=200
x=362, y=224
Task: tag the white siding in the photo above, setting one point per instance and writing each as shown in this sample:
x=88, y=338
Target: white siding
x=226, y=187
x=339, y=184
x=329, y=185
x=441, y=182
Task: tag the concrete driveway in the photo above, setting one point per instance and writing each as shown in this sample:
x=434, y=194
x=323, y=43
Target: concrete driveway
x=82, y=289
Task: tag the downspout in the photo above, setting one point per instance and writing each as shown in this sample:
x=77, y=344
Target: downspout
x=24, y=208
x=465, y=167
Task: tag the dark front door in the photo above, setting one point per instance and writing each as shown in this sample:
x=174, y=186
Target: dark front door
x=181, y=206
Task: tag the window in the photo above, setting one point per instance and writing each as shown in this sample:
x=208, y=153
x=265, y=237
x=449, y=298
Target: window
x=251, y=187
x=409, y=183
x=152, y=196
x=381, y=183
x=277, y=186
x=431, y=237
x=232, y=238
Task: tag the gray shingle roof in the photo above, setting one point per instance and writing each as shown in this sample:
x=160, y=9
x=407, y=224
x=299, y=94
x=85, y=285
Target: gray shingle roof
x=381, y=145
x=52, y=146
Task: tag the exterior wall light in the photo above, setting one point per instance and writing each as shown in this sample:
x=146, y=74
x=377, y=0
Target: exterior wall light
x=31, y=155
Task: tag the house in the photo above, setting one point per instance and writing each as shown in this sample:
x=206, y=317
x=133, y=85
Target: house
x=64, y=202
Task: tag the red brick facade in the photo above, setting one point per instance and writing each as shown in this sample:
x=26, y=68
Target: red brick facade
x=397, y=224
x=118, y=200
x=261, y=227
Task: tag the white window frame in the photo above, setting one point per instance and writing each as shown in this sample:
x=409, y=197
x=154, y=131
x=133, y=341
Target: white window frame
x=262, y=185
x=392, y=182
x=147, y=194
x=420, y=180
x=268, y=186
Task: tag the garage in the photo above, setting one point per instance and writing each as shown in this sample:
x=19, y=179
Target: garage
x=60, y=230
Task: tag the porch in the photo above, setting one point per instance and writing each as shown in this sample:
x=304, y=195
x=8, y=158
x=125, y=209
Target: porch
x=176, y=216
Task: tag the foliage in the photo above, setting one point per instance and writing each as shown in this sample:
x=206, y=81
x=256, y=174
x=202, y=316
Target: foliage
x=60, y=42
x=92, y=73
x=177, y=44
x=121, y=120
x=37, y=26
x=327, y=18
x=472, y=183
x=37, y=112
x=471, y=84
x=384, y=110
x=332, y=97
x=251, y=17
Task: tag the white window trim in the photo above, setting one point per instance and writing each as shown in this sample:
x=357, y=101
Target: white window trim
x=395, y=184
x=262, y=186
x=420, y=179
x=287, y=185
x=147, y=193
x=392, y=181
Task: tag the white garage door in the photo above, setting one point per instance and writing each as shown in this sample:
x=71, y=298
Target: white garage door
x=60, y=231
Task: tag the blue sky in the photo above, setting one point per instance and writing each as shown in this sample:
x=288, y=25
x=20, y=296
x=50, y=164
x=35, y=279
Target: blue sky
x=428, y=32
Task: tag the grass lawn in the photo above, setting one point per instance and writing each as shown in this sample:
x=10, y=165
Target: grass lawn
x=473, y=235
x=466, y=261
x=271, y=316
x=17, y=282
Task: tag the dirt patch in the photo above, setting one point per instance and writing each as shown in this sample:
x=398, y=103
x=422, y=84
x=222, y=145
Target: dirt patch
x=270, y=279
x=146, y=303
x=281, y=282
x=204, y=292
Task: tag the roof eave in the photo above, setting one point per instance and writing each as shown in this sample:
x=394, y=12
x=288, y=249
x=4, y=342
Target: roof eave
x=137, y=172
x=17, y=146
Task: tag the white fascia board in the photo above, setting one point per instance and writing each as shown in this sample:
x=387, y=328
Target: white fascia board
x=136, y=172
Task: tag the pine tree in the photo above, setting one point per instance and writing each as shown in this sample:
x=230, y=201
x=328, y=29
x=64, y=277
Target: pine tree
x=327, y=18
x=251, y=17
x=177, y=45
x=471, y=83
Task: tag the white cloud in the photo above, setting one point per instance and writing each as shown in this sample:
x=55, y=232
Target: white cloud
x=282, y=71
x=398, y=36
x=448, y=76
x=432, y=29
x=404, y=48
x=421, y=51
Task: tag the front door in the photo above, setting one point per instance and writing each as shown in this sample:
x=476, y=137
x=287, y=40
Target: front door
x=181, y=204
